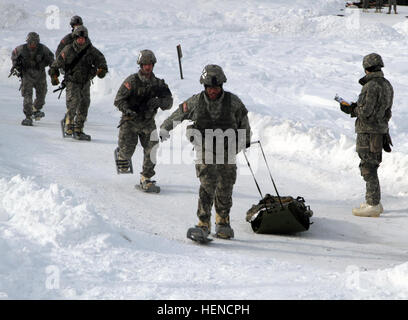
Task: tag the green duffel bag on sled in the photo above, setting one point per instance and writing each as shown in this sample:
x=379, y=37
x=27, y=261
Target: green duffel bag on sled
x=279, y=215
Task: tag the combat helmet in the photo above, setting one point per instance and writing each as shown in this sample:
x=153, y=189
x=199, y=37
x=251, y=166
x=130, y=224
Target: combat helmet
x=81, y=31
x=146, y=57
x=212, y=75
x=76, y=20
x=33, y=37
x=373, y=60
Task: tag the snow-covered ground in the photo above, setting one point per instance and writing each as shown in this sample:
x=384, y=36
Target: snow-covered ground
x=70, y=227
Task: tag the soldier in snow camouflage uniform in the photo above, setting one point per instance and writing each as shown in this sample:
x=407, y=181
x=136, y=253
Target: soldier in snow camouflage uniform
x=214, y=109
x=373, y=111
x=75, y=22
x=138, y=98
x=81, y=61
x=31, y=59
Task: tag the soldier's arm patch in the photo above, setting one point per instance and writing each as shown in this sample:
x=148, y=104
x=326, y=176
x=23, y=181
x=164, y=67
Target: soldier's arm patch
x=127, y=85
x=63, y=55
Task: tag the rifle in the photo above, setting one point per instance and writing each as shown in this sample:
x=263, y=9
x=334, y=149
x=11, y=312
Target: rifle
x=17, y=70
x=70, y=67
x=14, y=72
x=61, y=88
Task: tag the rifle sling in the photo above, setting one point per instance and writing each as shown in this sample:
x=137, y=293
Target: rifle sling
x=76, y=60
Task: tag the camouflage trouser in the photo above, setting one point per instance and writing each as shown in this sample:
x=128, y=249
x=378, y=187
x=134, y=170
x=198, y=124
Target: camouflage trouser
x=365, y=4
x=129, y=133
x=78, y=100
x=27, y=86
x=378, y=4
x=392, y=3
x=370, y=161
x=217, y=182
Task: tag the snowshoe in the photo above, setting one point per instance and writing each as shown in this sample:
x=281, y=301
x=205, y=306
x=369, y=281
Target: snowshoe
x=122, y=166
x=79, y=135
x=37, y=115
x=65, y=133
x=147, y=185
x=27, y=122
x=199, y=234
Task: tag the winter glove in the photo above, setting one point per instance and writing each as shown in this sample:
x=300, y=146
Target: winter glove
x=53, y=72
x=164, y=135
x=348, y=108
x=153, y=103
x=55, y=80
x=101, y=73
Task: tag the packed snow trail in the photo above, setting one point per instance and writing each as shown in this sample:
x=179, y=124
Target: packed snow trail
x=63, y=206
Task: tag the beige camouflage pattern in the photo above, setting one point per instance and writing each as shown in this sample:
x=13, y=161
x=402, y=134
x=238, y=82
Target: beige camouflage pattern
x=139, y=98
x=373, y=112
x=369, y=149
x=78, y=79
x=130, y=133
x=68, y=39
x=216, y=186
x=216, y=179
x=374, y=104
x=33, y=75
x=78, y=99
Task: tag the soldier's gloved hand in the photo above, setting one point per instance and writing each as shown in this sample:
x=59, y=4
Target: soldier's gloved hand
x=164, y=135
x=348, y=108
x=101, y=73
x=248, y=144
x=153, y=103
x=53, y=72
x=55, y=80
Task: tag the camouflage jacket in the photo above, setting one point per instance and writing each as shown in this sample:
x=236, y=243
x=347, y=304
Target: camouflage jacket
x=85, y=69
x=227, y=112
x=374, y=104
x=143, y=96
x=68, y=39
x=33, y=62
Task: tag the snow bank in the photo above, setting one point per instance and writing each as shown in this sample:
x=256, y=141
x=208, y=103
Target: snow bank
x=285, y=60
x=47, y=215
x=54, y=246
x=382, y=284
x=324, y=150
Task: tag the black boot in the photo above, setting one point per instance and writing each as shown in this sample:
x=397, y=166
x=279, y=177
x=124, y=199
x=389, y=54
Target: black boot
x=37, y=115
x=27, y=122
x=79, y=134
